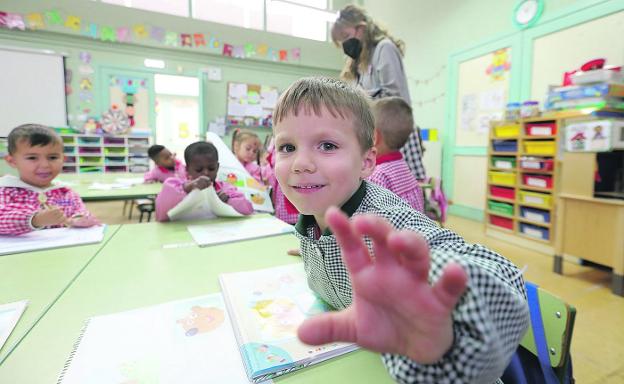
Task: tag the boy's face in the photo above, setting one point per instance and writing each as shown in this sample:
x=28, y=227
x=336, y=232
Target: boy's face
x=166, y=159
x=247, y=150
x=319, y=161
x=202, y=165
x=37, y=165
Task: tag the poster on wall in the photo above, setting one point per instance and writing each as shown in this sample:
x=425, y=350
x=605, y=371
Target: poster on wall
x=589, y=136
x=250, y=104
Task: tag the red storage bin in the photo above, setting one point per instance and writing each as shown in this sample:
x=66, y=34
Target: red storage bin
x=541, y=129
x=540, y=181
x=501, y=222
x=536, y=163
x=505, y=193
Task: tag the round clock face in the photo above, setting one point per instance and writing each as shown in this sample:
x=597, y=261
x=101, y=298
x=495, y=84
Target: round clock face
x=527, y=12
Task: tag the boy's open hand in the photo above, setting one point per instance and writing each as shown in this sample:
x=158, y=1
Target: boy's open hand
x=49, y=216
x=202, y=182
x=80, y=221
x=394, y=308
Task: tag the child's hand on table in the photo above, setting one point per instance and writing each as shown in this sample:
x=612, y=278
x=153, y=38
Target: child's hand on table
x=83, y=221
x=394, y=308
x=48, y=216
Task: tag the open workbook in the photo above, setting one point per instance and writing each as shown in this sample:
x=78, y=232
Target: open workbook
x=266, y=307
x=202, y=339
x=51, y=238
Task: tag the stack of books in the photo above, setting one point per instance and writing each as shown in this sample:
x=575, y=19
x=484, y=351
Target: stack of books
x=608, y=97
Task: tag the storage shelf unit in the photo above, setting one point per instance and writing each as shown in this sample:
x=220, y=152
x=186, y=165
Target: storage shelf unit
x=96, y=153
x=520, y=195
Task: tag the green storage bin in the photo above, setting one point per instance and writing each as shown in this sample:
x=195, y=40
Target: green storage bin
x=501, y=208
x=504, y=162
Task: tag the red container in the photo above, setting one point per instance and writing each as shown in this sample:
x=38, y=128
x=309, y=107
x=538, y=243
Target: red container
x=501, y=222
x=540, y=181
x=537, y=164
x=505, y=193
x=541, y=129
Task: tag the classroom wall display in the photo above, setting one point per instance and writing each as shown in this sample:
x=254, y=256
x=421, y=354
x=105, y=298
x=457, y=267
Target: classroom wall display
x=591, y=136
x=250, y=105
x=482, y=95
x=129, y=101
x=54, y=19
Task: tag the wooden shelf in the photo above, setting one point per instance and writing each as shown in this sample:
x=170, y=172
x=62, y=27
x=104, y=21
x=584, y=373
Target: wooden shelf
x=536, y=171
x=535, y=206
x=527, y=221
x=502, y=169
x=500, y=228
x=536, y=189
x=536, y=154
x=535, y=238
x=538, y=137
x=504, y=153
x=500, y=214
x=504, y=200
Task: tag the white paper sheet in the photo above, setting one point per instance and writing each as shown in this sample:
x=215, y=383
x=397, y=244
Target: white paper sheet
x=51, y=238
x=204, y=204
x=235, y=230
x=9, y=315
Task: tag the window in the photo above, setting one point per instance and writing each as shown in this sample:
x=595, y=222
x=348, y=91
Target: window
x=241, y=13
x=301, y=18
x=171, y=7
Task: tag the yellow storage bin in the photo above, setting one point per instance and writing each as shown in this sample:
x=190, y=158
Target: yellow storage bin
x=540, y=147
x=502, y=178
x=537, y=199
x=510, y=130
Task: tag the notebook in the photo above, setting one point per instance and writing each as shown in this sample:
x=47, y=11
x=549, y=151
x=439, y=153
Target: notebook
x=202, y=204
x=239, y=229
x=266, y=307
x=185, y=341
x=51, y=238
x=9, y=315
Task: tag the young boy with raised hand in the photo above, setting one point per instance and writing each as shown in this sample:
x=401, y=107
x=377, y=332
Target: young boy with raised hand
x=461, y=318
x=393, y=126
x=30, y=201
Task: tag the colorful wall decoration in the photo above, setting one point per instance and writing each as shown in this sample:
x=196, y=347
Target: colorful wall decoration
x=139, y=33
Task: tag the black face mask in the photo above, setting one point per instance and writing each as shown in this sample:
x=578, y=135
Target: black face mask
x=352, y=47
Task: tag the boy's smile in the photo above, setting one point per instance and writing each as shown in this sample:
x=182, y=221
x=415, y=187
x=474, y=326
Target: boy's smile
x=37, y=165
x=319, y=161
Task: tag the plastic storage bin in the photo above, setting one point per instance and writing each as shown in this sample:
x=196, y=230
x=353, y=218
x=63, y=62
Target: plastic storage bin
x=539, y=181
x=534, y=231
x=502, y=208
x=502, y=192
x=539, y=147
x=541, y=129
x=503, y=222
x=536, y=163
x=503, y=178
x=537, y=199
x=509, y=130
x=505, y=145
x=504, y=162
x=536, y=215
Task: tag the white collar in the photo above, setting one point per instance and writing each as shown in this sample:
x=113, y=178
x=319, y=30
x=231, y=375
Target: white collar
x=16, y=182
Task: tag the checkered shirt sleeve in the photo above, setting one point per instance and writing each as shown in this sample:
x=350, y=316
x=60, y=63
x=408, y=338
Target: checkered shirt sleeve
x=489, y=320
x=412, y=153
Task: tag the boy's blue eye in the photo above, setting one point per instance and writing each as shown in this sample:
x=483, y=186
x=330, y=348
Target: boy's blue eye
x=286, y=148
x=328, y=146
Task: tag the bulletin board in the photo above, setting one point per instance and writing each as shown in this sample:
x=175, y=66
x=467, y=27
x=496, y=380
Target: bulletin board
x=250, y=104
x=598, y=38
x=482, y=92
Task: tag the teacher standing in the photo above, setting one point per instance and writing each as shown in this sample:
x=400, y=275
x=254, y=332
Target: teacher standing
x=375, y=63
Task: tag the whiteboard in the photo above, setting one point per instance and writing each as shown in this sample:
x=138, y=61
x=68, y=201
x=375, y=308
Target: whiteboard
x=32, y=90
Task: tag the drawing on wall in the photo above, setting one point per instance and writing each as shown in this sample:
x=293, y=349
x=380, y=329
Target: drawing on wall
x=501, y=63
x=250, y=104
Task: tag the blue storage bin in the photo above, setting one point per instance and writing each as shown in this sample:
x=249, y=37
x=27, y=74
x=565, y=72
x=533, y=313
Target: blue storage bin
x=534, y=231
x=537, y=215
x=505, y=145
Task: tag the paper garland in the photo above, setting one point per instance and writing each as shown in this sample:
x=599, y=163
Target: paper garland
x=141, y=32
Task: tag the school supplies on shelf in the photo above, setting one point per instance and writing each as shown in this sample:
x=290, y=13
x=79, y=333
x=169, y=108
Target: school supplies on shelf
x=185, y=341
x=10, y=314
x=51, y=238
x=266, y=307
x=238, y=229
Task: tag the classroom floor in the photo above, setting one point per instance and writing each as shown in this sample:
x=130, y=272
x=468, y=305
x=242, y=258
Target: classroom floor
x=598, y=340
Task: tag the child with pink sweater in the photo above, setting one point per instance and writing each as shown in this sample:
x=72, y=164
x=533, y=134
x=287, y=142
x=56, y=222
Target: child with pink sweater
x=202, y=165
x=246, y=147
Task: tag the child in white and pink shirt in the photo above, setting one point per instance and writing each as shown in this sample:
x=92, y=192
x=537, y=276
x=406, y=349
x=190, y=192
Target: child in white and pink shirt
x=31, y=202
x=166, y=165
x=202, y=165
x=246, y=146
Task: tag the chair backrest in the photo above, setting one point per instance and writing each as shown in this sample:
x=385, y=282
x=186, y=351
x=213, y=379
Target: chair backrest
x=544, y=353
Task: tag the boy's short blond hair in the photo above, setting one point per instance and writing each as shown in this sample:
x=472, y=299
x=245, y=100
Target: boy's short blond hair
x=393, y=119
x=339, y=98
